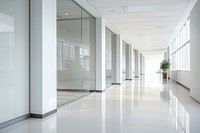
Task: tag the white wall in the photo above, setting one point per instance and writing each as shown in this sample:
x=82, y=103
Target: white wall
x=173, y=75
x=181, y=76
x=184, y=78
x=14, y=59
x=195, y=50
x=190, y=78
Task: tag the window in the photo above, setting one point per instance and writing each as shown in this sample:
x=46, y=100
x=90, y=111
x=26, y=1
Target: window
x=180, y=49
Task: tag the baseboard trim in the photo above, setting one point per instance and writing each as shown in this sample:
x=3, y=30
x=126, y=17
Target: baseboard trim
x=116, y=83
x=40, y=116
x=129, y=79
x=100, y=90
x=183, y=86
x=92, y=90
x=13, y=121
x=70, y=90
x=195, y=100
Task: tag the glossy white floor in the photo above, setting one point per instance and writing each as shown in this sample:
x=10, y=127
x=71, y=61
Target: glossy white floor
x=138, y=106
x=67, y=96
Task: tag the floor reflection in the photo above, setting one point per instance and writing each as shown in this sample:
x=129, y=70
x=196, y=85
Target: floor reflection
x=145, y=105
x=181, y=118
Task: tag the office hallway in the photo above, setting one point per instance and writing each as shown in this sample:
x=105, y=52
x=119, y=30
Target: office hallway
x=145, y=105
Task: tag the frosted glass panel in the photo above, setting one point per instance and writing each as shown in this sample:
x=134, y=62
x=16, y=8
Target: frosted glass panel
x=14, y=59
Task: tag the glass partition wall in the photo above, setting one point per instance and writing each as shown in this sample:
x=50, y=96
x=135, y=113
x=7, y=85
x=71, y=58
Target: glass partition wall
x=124, y=61
x=110, y=55
x=75, y=52
x=108, y=58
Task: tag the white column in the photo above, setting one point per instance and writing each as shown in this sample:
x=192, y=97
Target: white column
x=141, y=64
x=114, y=59
x=100, y=55
x=194, y=52
x=127, y=58
x=129, y=62
x=43, y=58
x=133, y=60
x=137, y=64
x=118, y=59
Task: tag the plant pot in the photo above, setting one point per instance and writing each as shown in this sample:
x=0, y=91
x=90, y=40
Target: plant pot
x=164, y=75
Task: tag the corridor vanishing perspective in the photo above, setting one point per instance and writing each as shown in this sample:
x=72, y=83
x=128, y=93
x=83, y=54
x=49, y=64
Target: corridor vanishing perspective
x=144, y=105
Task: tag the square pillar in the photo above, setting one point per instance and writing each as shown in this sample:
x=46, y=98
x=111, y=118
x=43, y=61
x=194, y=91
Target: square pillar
x=43, y=80
x=137, y=64
x=129, y=62
x=118, y=59
x=141, y=64
x=133, y=61
x=100, y=55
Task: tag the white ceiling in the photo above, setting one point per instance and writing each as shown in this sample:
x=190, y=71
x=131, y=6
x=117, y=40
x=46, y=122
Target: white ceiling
x=147, y=24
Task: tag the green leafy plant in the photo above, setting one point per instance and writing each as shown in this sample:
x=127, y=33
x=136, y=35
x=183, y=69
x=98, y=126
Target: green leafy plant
x=165, y=65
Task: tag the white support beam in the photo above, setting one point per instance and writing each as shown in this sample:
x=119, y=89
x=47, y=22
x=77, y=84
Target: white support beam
x=119, y=59
x=100, y=55
x=43, y=57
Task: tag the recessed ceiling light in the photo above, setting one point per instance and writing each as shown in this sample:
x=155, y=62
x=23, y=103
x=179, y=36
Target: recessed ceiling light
x=66, y=13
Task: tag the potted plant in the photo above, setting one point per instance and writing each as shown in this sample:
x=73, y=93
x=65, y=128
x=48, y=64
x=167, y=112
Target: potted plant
x=164, y=66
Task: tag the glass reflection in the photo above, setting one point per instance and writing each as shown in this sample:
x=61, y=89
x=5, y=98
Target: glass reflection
x=75, y=51
x=110, y=68
x=181, y=118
